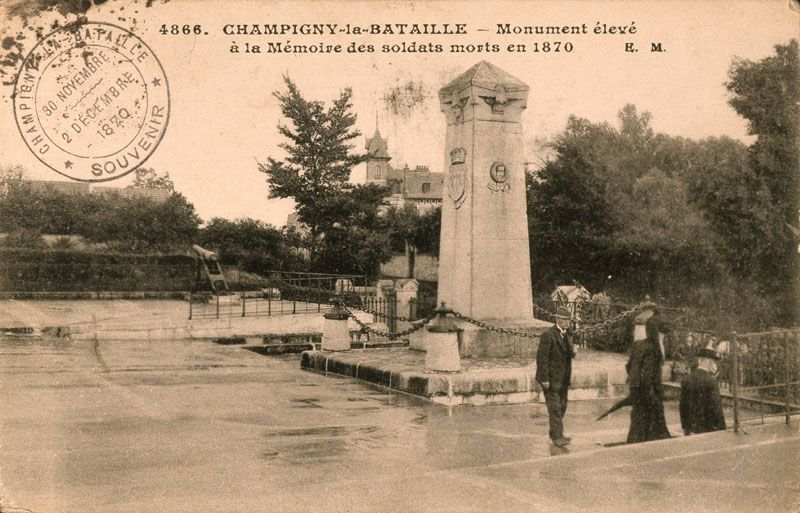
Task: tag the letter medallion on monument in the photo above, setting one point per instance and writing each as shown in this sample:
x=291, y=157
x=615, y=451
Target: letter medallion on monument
x=499, y=174
x=457, y=177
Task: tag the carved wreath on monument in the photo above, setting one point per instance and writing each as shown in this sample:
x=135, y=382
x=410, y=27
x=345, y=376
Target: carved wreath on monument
x=457, y=177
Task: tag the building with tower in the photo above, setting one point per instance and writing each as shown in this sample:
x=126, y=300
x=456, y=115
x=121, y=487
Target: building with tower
x=418, y=186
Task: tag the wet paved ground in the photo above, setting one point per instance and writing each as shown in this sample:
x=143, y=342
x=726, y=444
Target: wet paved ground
x=187, y=426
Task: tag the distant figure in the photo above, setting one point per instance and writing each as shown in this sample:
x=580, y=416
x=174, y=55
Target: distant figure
x=701, y=406
x=644, y=373
x=554, y=372
x=600, y=306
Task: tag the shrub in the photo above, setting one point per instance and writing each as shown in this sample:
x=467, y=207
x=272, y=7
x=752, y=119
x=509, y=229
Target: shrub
x=24, y=270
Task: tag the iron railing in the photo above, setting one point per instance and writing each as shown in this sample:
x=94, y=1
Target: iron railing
x=763, y=368
x=278, y=293
x=287, y=293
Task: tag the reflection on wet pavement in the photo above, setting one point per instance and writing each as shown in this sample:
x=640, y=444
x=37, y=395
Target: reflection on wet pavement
x=151, y=429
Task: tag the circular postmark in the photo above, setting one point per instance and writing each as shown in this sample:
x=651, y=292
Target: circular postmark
x=91, y=101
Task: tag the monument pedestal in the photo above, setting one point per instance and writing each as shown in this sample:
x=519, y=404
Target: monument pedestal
x=477, y=342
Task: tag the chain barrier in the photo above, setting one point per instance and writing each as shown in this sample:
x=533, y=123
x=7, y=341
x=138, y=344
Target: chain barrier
x=587, y=328
x=584, y=330
x=489, y=327
x=388, y=334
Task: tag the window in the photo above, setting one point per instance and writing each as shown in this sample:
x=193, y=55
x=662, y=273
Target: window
x=426, y=187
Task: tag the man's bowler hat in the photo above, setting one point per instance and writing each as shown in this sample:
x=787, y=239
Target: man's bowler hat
x=708, y=353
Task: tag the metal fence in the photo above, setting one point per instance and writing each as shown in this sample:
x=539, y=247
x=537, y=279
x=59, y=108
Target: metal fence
x=763, y=368
x=760, y=370
x=584, y=311
x=279, y=293
x=287, y=293
x=383, y=310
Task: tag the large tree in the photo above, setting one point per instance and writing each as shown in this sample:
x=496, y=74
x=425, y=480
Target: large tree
x=614, y=202
x=409, y=226
x=255, y=245
x=767, y=94
x=120, y=222
x=315, y=174
x=569, y=215
x=140, y=225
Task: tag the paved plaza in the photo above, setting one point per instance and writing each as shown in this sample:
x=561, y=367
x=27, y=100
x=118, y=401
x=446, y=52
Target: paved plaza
x=189, y=425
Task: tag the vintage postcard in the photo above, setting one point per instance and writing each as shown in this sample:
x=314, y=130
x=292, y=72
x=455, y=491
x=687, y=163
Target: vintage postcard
x=360, y=255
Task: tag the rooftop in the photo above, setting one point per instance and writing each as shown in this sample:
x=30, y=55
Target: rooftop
x=377, y=147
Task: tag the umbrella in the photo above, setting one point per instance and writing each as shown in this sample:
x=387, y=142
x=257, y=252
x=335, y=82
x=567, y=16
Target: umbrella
x=627, y=401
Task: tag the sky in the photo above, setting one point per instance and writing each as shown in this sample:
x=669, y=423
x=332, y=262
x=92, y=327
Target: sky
x=224, y=118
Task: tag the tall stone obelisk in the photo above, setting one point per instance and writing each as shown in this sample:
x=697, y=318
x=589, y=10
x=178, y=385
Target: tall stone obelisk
x=484, y=258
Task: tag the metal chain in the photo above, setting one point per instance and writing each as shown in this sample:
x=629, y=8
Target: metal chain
x=492, y=328
x=387, y=334
x=587, y=329
x=580, y=331
x=590, y=328
x=379, y=313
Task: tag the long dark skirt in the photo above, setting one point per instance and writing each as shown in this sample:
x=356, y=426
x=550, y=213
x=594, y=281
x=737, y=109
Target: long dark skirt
x=647, y=416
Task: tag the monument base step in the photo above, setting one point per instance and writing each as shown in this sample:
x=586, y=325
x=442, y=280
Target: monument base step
x=299, y=347
x=482, y=381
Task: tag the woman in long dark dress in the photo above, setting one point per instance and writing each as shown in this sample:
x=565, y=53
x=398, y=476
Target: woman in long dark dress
x=644, y=372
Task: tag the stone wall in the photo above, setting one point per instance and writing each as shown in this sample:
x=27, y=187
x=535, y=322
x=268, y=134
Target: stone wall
x=426, y=267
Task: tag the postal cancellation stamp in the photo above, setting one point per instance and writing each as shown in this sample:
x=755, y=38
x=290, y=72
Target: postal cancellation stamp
x=92, y=101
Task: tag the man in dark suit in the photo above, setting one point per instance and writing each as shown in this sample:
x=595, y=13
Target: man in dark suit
x=554, y=371
x=701, y=406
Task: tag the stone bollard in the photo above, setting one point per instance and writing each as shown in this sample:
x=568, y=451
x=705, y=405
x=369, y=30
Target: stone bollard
x=335, y=334
x=442, y=344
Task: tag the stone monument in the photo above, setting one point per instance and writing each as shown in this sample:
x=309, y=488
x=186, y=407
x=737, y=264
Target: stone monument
x=484, y=259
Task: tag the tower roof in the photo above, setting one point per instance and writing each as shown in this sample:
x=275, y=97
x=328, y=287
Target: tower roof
x=377, y=147
x=484, y=74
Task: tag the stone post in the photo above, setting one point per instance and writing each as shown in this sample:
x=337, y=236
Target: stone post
x=442, y=344
x=405, y=292
x=335, y=334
